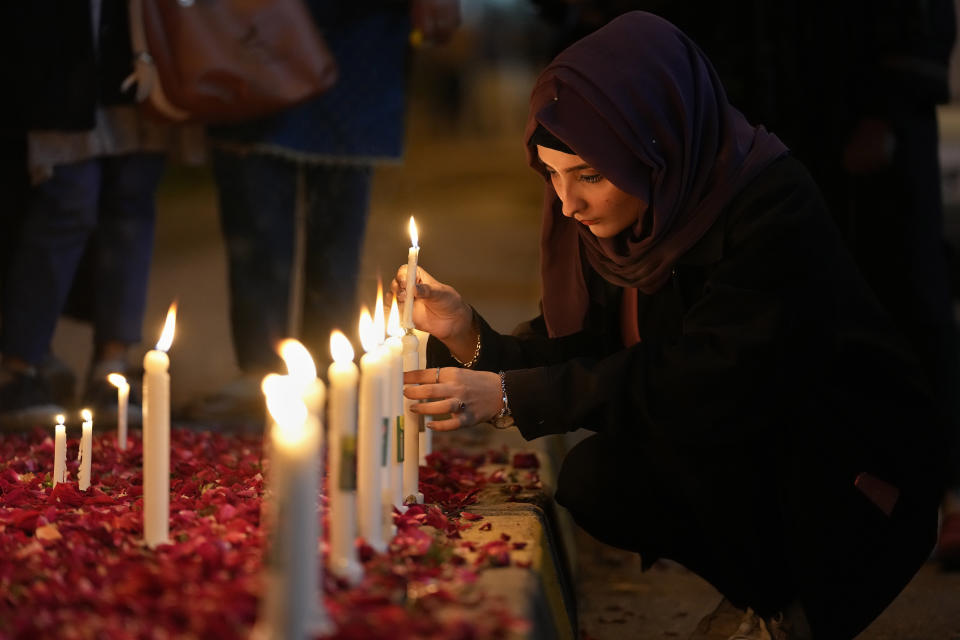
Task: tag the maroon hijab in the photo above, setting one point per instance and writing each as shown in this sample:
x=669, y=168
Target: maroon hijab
x=640, y=102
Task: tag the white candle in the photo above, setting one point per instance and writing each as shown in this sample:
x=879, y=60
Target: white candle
x=60, y=452
x=413, y=423
x=395, y=392
x=86, y=449
x=426, y=434
x=123, y=400
x=413, y=254
x=370, y=436
x=292, y=606
x=156, y=437
x=388, y=442
x=311, y=391
x=342, y=377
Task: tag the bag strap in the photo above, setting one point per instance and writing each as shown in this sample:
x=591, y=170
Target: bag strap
x=145, y=71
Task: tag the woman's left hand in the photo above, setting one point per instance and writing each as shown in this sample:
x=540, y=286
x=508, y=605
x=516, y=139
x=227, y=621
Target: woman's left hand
x=469, y=397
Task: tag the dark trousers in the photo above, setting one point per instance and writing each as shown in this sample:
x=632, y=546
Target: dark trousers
x=725, y=515
x=105, y=202
x=268, y=205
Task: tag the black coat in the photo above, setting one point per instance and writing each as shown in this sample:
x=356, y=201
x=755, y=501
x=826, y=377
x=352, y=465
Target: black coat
x=53, y=76
x=766, y=366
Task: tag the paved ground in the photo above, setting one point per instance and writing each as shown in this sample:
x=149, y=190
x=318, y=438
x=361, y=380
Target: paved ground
x=477, y=204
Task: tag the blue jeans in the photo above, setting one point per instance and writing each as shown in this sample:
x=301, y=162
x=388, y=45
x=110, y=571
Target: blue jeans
x=109, y=201
x=260, y=196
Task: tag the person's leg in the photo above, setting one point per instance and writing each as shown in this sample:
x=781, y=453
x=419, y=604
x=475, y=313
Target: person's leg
x=337, y=200
x=710, y=511
x=256, y=195
x=61, y=215
x=124, y=237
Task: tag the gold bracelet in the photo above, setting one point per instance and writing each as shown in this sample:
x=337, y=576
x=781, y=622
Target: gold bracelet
x=473, y=360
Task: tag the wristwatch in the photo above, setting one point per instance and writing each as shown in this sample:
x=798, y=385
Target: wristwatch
x=503, y=419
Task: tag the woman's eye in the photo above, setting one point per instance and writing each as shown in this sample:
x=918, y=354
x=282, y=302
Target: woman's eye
x=592, y=178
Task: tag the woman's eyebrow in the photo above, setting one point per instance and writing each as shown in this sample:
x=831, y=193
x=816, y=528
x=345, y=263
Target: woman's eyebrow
x=570, y=169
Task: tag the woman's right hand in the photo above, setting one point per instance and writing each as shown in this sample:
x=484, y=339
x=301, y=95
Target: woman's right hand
x=438, y=308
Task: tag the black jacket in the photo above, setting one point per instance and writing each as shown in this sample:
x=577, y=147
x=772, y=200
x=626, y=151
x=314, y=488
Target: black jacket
x=53, y=76
x=766, y=332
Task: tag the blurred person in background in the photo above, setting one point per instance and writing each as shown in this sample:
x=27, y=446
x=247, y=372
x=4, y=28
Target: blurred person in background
x=294, y=193
x=92, y=164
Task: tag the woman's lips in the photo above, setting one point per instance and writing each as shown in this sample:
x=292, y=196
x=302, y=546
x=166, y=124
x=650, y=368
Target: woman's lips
x=588, y=222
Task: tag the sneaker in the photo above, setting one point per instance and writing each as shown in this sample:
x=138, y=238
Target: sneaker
x=238, y=405
x=728, y=622
x=26, y=402
x=721, y=623
x=59, y=378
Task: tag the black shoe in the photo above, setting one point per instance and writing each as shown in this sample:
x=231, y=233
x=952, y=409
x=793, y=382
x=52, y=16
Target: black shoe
x=26, y=402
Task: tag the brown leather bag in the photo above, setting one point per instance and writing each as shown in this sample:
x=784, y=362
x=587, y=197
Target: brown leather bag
x=222, y=61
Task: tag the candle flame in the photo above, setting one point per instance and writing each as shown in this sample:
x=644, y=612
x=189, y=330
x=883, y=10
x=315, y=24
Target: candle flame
x=60, y=419
x=298, y=360
x=340, y=347
x=86, y=415
x=378, y=320
x=368, y=332
x=414, y=237
x=117, y=380
x=287, y=408
x=393, y=324
x=166, y=337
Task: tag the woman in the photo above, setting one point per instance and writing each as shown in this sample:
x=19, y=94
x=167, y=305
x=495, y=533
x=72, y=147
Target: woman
x=756, y=417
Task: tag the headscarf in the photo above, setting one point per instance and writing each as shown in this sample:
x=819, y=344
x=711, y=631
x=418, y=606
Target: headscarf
x=639, y=102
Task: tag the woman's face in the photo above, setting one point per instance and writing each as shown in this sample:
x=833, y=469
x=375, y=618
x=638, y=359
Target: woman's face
x=588, y=197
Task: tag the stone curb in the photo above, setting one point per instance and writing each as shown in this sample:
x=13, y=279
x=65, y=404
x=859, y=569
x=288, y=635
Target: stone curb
x=543, y=592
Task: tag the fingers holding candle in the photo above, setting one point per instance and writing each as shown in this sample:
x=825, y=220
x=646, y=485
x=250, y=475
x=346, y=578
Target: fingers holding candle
x=455, y=397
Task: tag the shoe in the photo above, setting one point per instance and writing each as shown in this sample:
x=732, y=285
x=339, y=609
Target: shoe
x=238, y=405
x=728, y=622
x=59, y=378
x=26, y=402
x=721, y=623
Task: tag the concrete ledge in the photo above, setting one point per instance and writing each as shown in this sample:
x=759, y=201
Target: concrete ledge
x=540, y=584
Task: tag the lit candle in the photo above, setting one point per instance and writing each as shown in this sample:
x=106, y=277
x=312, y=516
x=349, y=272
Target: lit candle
x=60, y=452
x=123, y=399
x=395, y=393
x=413, y=424
x=387, y=428
x=156, y=436
x=342, y=377
x=413, y=254
x=311, y=391
x=292, y=606
x=86, y=449
x=426, y=433
x=370, y=436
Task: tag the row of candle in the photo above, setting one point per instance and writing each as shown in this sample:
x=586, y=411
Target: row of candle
x=374, y=448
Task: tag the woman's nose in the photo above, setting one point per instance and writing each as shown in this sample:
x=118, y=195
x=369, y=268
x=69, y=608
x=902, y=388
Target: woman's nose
x=568, y=200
